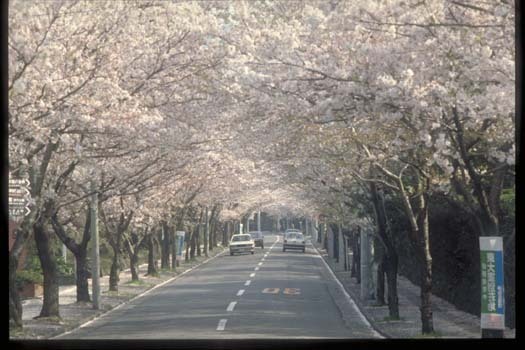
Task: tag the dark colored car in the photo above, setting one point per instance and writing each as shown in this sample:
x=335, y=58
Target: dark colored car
x=258, y=238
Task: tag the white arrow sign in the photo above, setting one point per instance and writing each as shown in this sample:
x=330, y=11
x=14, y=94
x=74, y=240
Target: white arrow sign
x=19, y=198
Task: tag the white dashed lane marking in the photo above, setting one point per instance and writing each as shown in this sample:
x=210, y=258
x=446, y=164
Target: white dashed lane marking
x=252, y=275
x=240, y=292
x=248, y=283
x=231, y=306
x=222, y=324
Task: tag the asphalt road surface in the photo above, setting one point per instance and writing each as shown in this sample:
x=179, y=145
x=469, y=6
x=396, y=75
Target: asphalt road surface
x=270, y=294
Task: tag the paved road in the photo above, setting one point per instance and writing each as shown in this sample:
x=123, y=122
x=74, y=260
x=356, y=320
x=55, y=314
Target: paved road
x=271, y=294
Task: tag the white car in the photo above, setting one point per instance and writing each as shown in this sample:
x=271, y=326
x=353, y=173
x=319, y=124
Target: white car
x=242, y=243
x=294, y=240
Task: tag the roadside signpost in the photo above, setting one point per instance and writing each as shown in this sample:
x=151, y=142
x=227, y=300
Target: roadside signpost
x=492, y=287
x=179, y=235
x=18, y=203
x=19, y=198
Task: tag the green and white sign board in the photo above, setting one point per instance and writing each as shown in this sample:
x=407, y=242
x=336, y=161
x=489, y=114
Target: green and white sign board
x=492, y=287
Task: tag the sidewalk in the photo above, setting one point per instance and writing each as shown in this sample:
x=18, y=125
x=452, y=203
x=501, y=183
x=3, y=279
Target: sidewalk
x=449, y=322
x=74, y=314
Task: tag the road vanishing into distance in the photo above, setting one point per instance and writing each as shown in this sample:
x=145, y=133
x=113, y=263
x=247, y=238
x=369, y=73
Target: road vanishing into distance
x=270, y=294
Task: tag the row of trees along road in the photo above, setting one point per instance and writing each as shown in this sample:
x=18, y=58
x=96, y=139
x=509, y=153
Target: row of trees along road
x=182, y=114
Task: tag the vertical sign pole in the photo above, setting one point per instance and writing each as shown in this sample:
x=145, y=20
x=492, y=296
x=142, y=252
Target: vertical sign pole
x=492, y=287
x=95, y=270
x=179, y=243
x=259, y=220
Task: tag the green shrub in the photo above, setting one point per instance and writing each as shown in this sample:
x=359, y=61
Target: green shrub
x=508, y=202
x=28, y=276
x=64, y=268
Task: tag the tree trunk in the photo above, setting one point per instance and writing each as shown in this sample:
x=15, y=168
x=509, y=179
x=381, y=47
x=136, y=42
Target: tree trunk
x=380, y=282
x=356, y=256
x=426, y=271
x=325, y=236
x=390, y=266
x=225, y=230
x=198, y=239
x=194, y=233
x=49, y=268
x=115, y=271
x=213, y=233
x=389, y=260
x=15, y=305
x=213, y=227
x=335, y=234
x=165, y=250
x=345, y=245
x=174, y=249
x=152, y=268
x=187, y=242
x=22, y=234
x=116, y=265
x=206, y=233
x=133, y=265
x=82, y=276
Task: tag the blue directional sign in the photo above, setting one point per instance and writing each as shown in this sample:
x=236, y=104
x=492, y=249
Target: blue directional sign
x=492, y=287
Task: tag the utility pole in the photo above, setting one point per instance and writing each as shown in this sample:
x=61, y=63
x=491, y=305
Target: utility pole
x=64, y=252
x=259, y=220
x=247, y=224
x=95, y=269
x=307, y=227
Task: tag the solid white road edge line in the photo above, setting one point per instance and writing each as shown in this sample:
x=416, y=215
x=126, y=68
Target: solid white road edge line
x=136, y=297
x=222, y=324
x=349, y=299
x=240, y=292
x=231, y=306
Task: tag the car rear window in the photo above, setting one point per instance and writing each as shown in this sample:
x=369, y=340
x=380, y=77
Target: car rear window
x=291, y=236
x=240, y=238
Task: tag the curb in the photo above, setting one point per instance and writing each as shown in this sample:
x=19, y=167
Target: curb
x=101, y=315
x=377, y=332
